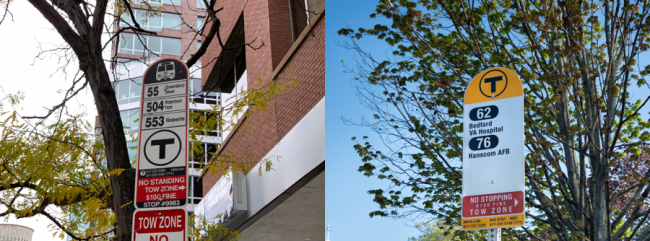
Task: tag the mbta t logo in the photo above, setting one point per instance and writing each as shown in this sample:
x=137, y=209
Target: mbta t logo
x=493, y=83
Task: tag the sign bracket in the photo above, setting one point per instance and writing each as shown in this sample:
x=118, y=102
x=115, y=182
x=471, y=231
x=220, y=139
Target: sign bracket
x=494, y=234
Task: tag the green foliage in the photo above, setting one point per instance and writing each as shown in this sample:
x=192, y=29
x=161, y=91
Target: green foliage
x=59, y=169
x=435, y=231
x=46, y=165
x=227, y=118
x=577, y=61
x=205, y=229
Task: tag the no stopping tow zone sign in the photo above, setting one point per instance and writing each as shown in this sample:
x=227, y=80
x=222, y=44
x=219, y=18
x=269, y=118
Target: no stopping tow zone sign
x=493, y=151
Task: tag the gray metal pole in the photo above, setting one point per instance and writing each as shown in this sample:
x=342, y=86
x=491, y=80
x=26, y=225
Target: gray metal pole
x=494, y=234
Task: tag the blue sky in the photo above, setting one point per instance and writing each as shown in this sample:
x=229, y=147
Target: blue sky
x=347, y=201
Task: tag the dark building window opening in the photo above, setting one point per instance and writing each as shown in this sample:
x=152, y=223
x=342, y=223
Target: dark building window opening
x=231, y=63
x=203, y=97
x=301, y=12
x=194, y=190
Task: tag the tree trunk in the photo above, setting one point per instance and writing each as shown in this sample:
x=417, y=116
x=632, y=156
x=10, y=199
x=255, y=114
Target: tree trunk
x=123, y=185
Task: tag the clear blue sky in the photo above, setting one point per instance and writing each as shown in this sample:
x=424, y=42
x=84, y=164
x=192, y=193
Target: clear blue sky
x=347, y=201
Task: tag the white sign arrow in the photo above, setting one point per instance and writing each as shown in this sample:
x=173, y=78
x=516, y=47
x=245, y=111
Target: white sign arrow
x=516, y=202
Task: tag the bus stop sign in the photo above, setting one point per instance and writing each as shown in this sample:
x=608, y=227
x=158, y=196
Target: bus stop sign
x=161, y=179
x=493, y=151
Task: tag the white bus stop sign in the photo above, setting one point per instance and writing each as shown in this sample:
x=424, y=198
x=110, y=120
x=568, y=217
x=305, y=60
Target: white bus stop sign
x=493, y=151
x=162, y=149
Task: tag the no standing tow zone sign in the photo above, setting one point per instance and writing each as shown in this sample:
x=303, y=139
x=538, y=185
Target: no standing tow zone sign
x=493, y=151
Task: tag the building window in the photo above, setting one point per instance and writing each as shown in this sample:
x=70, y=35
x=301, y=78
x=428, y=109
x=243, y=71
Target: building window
x=150, y=2
x=200, y=4
x=209, y=118
x=194, y=190
x=158, y=2
x=154, y=23
x=172, y=21
x=312, y=7
x=203, y=97
x=172, y=2
x=199, y=22
x=128, y=91
x=129, y=118
x=132, y=149
x=201, y=157
x=301, y=12
x=135, y=44
x=124, y=62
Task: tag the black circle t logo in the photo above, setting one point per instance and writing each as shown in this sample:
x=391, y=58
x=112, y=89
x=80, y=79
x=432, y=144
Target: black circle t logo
x=493, y=83
x=162, y=143
x=162, y=147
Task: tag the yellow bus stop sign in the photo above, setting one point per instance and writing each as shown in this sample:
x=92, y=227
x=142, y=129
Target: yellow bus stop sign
x=493, y=151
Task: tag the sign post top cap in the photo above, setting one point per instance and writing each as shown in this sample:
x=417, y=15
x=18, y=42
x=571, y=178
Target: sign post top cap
x=493, y=84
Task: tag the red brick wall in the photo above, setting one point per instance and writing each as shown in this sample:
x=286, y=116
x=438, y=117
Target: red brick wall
x=308, y=67
x=232, y=9
x=266, y=25
x=189, y=37
x=280, y=30
x=256, y=26
x=258, y=134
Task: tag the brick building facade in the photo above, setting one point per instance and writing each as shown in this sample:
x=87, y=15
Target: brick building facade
x=281, y=40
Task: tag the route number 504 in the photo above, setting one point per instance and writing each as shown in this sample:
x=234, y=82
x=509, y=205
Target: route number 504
x=155, y=106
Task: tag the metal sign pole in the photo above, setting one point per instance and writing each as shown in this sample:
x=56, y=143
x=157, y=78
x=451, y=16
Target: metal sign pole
x=494, y=234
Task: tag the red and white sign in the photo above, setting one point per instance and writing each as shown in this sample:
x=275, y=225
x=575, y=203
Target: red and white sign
x=493, y=204
x=161, y=188
x=161, y=179
x=160, y=225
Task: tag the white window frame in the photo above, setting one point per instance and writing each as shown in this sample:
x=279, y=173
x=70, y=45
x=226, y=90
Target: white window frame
x=151, y=2
x=199, y=26
x=116, y=87
x=145, y=39
x=200, y=4
x=193, y=96
x=130, y=118
x=190, y=159
x=145, y=25
x=174, y=2
x=213, y=133
x=190, y=189
x=124, y=62
x=130, y=144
